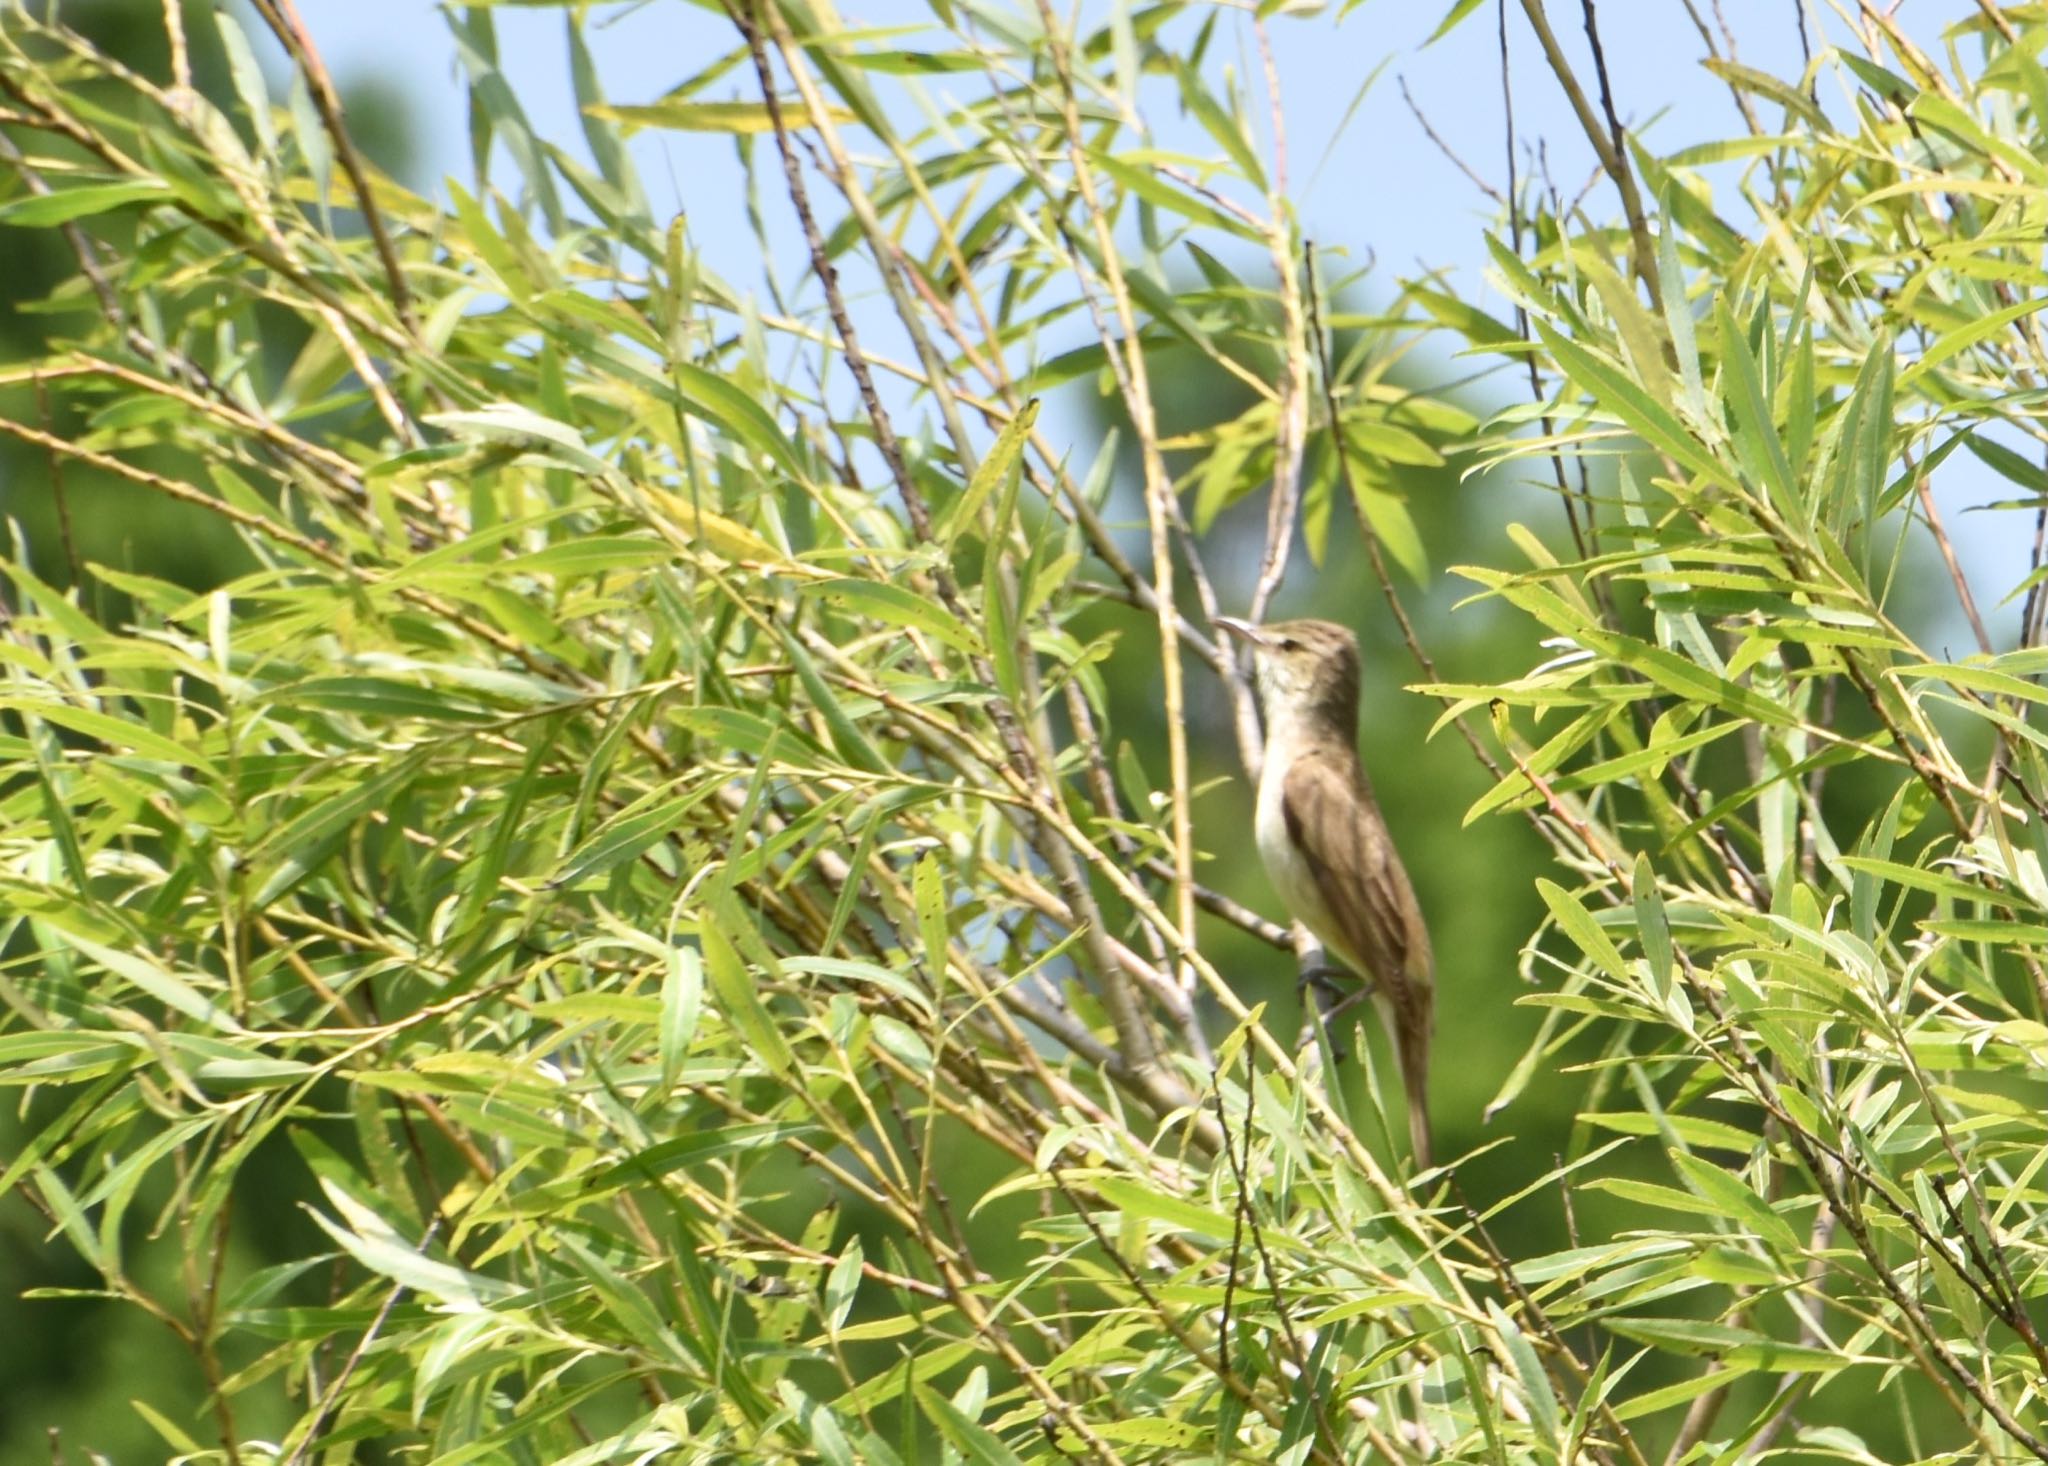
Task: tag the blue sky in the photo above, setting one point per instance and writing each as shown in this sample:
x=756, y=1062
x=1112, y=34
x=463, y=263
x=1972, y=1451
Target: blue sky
x=1367, y=181
x=1378, y=182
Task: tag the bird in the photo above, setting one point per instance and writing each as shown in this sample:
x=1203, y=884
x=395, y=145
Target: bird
x=1325, y=845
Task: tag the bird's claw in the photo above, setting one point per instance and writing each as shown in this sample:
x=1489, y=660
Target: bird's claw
x=1333, y=998
x=1320, y=976
x=1336, y=997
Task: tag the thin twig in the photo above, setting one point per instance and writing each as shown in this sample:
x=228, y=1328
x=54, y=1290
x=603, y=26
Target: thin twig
x=1372, y=544
x=1997, y=17
x=1742, y=102
x=1240, y=916
x=1609, y=141
x=1133, y=378
x=317, y=1421
x=1580, y=537
x=2032, y=609
x=282, y=16
x=1446, y=149
x=1290, y=420
x=58, y=496
x=1925, y=487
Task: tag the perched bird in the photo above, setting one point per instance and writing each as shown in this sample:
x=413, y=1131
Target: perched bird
x=1325, y=847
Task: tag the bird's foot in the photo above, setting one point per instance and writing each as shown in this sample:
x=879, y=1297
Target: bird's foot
x=1324, y=979
x=1337, y=989
x=1334, y=998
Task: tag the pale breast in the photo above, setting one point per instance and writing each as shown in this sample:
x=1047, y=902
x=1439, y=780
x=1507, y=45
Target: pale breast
x=1292, y=880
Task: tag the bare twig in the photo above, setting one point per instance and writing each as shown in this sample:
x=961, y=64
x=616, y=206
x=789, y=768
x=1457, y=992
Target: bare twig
x=317, y=1421
x=1925, y=488
x=1290, y=422
x=1742, y=102
x=1446, y=149
x=2032, y=608
x=1610, y=141
x=1996, y=15
x=1372, y=545
x=282, y=16
x=1580, y=537
x=1133, y=378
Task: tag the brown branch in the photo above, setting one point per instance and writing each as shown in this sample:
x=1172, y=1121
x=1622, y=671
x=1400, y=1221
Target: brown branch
x=1997, y=18
x=1240, y=916
x=1290, y=418
x=1610, y=141
x=282, y=16
x=1446, y=149
x=58, y=496
x=1580, y=538
x=1372, y=543
x=1924, y=485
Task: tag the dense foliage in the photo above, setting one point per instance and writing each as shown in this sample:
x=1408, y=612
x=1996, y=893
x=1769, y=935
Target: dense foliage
x=633, y=887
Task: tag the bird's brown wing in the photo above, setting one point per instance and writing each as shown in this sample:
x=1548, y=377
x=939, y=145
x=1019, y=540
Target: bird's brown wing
x=1337, y=828
x=1346, y=846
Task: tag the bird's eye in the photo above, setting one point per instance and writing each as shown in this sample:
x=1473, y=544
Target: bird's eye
x=1289, y=644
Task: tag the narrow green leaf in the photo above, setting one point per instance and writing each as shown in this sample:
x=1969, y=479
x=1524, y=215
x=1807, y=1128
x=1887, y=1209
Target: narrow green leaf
x=247, y=74
x=1577, y=923
x=1653, y=927
x=895, y=605
x=308, y=839
x=1971, y=333
x=682, y=999
x=1136, y=1200
x=1474, y=324
x=842, y=1285
x=613, y=159
x=40, y=211
x=733, y=117
x=732, y=987
x=820, y=1426
x=975, y=1443
x=848, y=741
x=1728, y=1197
x=928, y=891
x=1756, y=432
x=1613, y=389
x=630, y=833
x=129, y=732
x=993, y=471
x=1449, y=23
x=719, y=402
x=1139, y=176
x=177, y=991
x=1536, y=1387
x=377, y=1246
x=1228, y=130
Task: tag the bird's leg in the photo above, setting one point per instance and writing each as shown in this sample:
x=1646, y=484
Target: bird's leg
x=1347, y=1001
x=1322, y=976
x=1334, y=995
x=1316, y=973
x=1337, y=988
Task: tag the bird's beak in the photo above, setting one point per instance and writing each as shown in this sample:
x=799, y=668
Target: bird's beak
x=1243, y=630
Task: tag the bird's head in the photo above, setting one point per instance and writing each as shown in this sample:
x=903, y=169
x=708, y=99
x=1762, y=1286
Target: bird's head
x=1302, y=665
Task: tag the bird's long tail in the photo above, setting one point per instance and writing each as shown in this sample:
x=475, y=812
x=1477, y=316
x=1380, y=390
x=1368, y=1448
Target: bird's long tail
x=1411, y=1021
x=1416, y=1076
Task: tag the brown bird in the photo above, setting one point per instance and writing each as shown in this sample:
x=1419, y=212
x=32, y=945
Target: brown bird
x=1325, y=847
